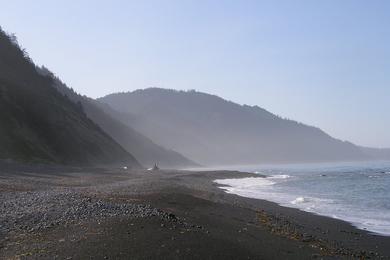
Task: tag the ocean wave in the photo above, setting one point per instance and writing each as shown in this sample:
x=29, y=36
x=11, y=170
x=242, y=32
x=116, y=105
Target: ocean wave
x=252, y=187
x=323, y=196
x=279, y=176
x=299, y=200
x=314, y=201
x=250, y=182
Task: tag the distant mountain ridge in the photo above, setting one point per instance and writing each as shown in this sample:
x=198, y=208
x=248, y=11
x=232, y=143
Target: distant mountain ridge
x=39, y=124
x=214, y=131
x=42, y=120
x=145, y=150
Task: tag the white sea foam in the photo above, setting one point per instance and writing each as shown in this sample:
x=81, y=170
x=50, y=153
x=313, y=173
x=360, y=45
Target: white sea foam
x=250, y=182
x=319, y=196
x=298, y=200
x=252, y=187
x=279, y=176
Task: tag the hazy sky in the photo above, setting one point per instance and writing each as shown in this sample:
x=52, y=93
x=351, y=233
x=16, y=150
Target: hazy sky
x=325, y=63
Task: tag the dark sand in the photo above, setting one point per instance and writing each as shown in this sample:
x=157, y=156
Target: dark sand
x=161, y=215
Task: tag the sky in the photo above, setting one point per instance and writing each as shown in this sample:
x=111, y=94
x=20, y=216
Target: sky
x=324, y=63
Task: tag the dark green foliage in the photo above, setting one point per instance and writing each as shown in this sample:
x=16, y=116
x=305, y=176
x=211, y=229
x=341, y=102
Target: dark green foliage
x=38, y=123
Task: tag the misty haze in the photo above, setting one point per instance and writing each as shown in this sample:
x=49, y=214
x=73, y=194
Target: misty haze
x=194, y=130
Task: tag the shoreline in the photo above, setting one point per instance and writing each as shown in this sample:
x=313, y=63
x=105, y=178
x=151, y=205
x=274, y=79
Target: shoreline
x=227, y=186
x=170, y=214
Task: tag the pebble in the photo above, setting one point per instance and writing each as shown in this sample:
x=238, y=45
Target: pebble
x=37, y=210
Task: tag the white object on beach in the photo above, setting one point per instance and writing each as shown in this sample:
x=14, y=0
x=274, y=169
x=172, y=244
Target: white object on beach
x=154, y=168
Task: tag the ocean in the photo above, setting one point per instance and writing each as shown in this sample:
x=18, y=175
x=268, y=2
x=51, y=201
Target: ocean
x=358, y=193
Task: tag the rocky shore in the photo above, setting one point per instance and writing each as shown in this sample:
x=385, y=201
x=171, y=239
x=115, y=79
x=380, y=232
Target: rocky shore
x=37, y=211
x=74, y=213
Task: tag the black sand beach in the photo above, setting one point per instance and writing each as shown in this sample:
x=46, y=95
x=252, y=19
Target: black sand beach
x=75, y=213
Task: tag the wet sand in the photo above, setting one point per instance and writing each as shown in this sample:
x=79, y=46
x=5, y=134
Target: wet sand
x=80, y=213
